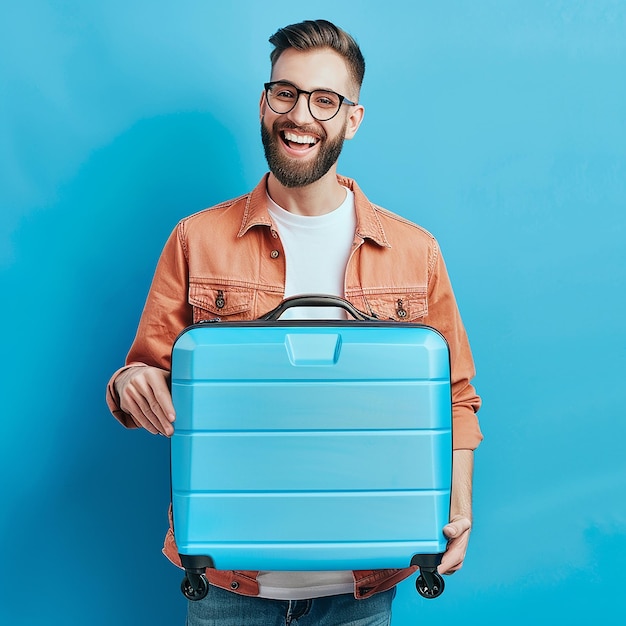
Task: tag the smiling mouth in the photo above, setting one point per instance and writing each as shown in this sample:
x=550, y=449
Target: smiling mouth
x=298, y=142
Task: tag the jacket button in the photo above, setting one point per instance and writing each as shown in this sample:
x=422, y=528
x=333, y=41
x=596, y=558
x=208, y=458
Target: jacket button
x=274, y=254
x=274, y=234
x=234, y=585
x=220, y=302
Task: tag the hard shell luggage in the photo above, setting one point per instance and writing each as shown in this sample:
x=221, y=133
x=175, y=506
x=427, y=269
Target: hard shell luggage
x=311, y=445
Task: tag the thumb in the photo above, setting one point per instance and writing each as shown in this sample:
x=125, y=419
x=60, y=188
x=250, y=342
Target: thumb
x=456, y=527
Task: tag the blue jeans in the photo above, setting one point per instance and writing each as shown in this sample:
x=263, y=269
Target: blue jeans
x=223, y=608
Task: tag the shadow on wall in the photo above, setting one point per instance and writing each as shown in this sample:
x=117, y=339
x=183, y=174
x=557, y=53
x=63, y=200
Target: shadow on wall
x=88, y=500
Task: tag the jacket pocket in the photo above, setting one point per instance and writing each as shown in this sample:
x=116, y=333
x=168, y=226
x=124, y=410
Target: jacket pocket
x=210, y=300
x=399, y=305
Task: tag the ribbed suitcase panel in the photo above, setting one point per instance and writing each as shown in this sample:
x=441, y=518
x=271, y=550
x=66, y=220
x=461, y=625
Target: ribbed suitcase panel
x=266, y=353
x=298, y=405
x=311, y=461
x=306, y=531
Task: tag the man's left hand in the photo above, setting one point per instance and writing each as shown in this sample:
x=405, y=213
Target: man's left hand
x=457, y=532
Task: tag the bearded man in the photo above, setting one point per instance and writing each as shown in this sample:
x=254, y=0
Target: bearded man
x=303, y=229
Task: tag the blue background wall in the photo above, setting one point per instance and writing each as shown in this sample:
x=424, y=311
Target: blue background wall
x=498, y=125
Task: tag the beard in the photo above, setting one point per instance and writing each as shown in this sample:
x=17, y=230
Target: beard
x=291, y=173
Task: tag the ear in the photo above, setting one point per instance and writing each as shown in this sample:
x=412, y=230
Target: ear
x=354, y=120
x=262, y=105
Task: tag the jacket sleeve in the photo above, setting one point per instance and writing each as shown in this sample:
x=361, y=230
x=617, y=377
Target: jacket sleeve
x=166, y=313
x=443, y=314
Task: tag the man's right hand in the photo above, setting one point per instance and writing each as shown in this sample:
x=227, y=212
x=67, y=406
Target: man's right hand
x=144, y=394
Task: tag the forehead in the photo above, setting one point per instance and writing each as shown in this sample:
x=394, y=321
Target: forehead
x=313, y=69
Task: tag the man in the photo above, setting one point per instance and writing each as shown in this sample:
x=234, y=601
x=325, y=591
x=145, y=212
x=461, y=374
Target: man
x=303, y=229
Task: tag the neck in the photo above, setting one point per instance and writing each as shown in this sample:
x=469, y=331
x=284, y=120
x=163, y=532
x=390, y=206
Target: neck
x=322, y=196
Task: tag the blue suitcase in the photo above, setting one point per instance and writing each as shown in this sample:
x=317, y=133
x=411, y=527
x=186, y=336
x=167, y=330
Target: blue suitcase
x=311, y=445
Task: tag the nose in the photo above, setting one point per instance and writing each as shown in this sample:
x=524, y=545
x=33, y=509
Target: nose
x=300, y=113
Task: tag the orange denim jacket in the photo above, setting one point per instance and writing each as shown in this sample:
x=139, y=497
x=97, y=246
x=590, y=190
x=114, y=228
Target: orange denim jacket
x=228, y=262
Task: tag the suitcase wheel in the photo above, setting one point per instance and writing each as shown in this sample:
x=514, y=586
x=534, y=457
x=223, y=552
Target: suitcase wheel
x=194, y=586
x=429, y=584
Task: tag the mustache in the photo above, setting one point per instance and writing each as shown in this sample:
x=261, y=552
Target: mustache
x=309, y=129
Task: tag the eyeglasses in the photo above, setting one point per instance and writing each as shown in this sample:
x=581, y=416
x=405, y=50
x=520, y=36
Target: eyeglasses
x=282, y=97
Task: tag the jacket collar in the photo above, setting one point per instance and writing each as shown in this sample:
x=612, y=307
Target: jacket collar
x=368, y=225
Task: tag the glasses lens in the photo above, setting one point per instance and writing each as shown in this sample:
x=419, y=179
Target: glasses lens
x=282, y=97
x=324, y=104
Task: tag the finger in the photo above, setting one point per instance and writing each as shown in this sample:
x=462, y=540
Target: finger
x=159, y=417
x=449, y=571
x=145, y=408
x=150, y=392
x=159, y=396
x=457, y=527
x=162, y=408
x=153, y=412
x=451, y=563
x=164, y=398
x=138, y=416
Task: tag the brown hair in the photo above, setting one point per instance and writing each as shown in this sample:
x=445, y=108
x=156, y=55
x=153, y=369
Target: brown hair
x=320, y=34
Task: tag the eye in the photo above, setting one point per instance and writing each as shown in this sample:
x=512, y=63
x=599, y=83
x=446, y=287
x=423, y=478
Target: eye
x=326, y=99
x=284, y=92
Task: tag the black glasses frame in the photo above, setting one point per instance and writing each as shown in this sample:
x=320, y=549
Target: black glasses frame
x=342, y=99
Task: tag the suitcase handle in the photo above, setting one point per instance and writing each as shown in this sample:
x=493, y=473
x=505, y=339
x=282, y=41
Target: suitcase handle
x=317, y=300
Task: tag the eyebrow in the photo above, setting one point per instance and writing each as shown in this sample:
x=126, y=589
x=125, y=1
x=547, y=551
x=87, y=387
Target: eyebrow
x=290, y=82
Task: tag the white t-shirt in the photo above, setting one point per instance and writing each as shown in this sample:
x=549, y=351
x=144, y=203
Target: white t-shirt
x=317, y=250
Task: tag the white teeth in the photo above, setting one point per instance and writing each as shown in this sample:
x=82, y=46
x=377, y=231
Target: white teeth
x=299, y=138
